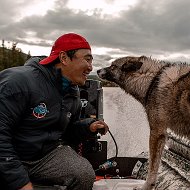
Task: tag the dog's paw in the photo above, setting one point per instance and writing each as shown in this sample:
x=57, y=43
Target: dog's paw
x=144, y=187
x=141, y=188
x=137, y=188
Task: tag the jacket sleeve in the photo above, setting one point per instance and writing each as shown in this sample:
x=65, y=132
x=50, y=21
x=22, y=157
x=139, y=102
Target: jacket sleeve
x=12, y=106
x=78, y=130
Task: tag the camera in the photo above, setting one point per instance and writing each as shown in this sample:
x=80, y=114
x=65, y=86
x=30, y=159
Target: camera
x=91, y=95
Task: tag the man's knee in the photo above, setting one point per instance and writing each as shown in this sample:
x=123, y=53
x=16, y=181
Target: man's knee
x=85, y=175
x=85, y=171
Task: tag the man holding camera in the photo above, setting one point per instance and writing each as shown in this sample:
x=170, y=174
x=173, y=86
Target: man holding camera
x=40, y=117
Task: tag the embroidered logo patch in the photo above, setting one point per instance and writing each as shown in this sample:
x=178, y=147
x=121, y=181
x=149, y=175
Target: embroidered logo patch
x=40, y=111
x=69, y=114
x=84, y=102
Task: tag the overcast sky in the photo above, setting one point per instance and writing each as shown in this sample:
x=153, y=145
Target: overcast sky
x=114, y=28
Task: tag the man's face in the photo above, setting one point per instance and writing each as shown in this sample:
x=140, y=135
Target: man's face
x=79, y=67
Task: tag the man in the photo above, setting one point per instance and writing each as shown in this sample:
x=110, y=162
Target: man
x=40, y=118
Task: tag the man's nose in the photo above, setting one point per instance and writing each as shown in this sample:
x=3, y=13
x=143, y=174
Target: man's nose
x=90, y=67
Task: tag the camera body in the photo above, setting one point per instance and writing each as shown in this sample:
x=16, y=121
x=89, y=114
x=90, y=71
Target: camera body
x=91, y=95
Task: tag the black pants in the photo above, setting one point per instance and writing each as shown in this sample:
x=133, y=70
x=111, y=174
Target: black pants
x=63, y=166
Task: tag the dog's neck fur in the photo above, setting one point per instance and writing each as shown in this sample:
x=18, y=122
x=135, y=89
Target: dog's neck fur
x=144, y=78
x=149, y=75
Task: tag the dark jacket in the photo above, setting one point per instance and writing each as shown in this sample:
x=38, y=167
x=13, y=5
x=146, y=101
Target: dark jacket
x=35, y=112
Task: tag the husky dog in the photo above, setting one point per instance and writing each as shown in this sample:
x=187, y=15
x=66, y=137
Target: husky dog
x=164, y=91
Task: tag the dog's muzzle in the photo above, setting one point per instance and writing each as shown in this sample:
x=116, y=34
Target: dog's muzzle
x=105, y=74
x=101, y=73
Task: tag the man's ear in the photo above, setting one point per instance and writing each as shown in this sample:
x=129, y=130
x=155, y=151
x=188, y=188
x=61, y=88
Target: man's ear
x=63, y=57
x=131, y=66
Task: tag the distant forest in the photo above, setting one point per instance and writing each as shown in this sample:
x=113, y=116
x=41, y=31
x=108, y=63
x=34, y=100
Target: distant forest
x=13, y=56
x=104, y=83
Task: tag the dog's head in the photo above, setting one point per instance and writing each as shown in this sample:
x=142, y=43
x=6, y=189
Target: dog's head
x=119, y=69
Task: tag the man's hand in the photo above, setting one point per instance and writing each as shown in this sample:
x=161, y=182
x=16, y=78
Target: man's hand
x=99, y=126
x=28, y=186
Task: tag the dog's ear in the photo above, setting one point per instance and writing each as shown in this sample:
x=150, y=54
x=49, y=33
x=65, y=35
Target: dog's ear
x=131, y=66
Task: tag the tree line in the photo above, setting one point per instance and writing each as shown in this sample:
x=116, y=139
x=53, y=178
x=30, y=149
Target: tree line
x=12, y=56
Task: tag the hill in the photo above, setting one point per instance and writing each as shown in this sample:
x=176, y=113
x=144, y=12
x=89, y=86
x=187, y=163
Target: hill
x=12, y=57
x=104, y=83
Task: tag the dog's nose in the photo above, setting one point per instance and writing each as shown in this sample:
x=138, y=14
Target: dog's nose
x=98, y=71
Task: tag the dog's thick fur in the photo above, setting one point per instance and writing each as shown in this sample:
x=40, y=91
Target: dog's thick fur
x=164, y=91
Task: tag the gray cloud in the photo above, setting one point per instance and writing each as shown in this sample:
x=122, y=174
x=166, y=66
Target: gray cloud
x=156, y=28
